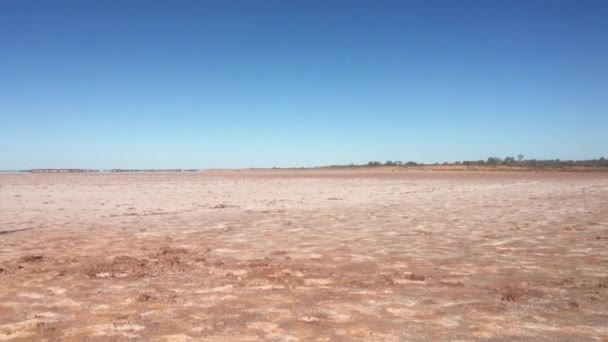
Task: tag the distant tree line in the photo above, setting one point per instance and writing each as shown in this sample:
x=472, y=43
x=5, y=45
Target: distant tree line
x=391, y=163
x=534, y=163
x=495, y=161
x=59, y=170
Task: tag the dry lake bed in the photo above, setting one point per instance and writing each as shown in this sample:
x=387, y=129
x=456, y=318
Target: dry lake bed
x=311, y=255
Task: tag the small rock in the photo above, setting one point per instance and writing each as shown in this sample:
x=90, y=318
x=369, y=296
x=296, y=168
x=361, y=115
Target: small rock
x=417, y=277
x=143, y=297
x=31, y=258
x=511, y=294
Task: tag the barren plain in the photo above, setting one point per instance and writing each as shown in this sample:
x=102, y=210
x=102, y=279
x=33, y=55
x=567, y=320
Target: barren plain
x=312, y=255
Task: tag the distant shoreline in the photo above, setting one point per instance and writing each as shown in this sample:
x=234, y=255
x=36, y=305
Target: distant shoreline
x=429, y=168
x=98, y=171
x=491, y=164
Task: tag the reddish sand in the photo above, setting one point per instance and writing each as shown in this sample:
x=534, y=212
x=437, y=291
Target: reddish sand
x=325, y=255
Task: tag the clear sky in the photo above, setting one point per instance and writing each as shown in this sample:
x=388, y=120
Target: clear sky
x=180, y=84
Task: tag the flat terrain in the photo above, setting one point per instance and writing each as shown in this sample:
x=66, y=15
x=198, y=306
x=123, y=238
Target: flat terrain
x=323, y=255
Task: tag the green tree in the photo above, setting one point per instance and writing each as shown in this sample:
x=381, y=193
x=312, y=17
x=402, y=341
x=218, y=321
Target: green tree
x=493, y=161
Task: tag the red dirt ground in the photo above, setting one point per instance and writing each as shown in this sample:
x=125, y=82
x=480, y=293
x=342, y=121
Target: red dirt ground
x=314, y=255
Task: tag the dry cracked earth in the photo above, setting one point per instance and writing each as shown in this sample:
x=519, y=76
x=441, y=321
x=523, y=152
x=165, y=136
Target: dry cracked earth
x=387, y=255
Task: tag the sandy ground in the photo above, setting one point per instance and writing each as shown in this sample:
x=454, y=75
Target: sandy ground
x=304, y=256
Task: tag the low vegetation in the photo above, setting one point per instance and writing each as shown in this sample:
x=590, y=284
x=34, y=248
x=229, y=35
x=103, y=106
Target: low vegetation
x=509, y=161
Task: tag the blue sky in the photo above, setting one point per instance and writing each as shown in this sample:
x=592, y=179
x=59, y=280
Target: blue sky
x=151, y=84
